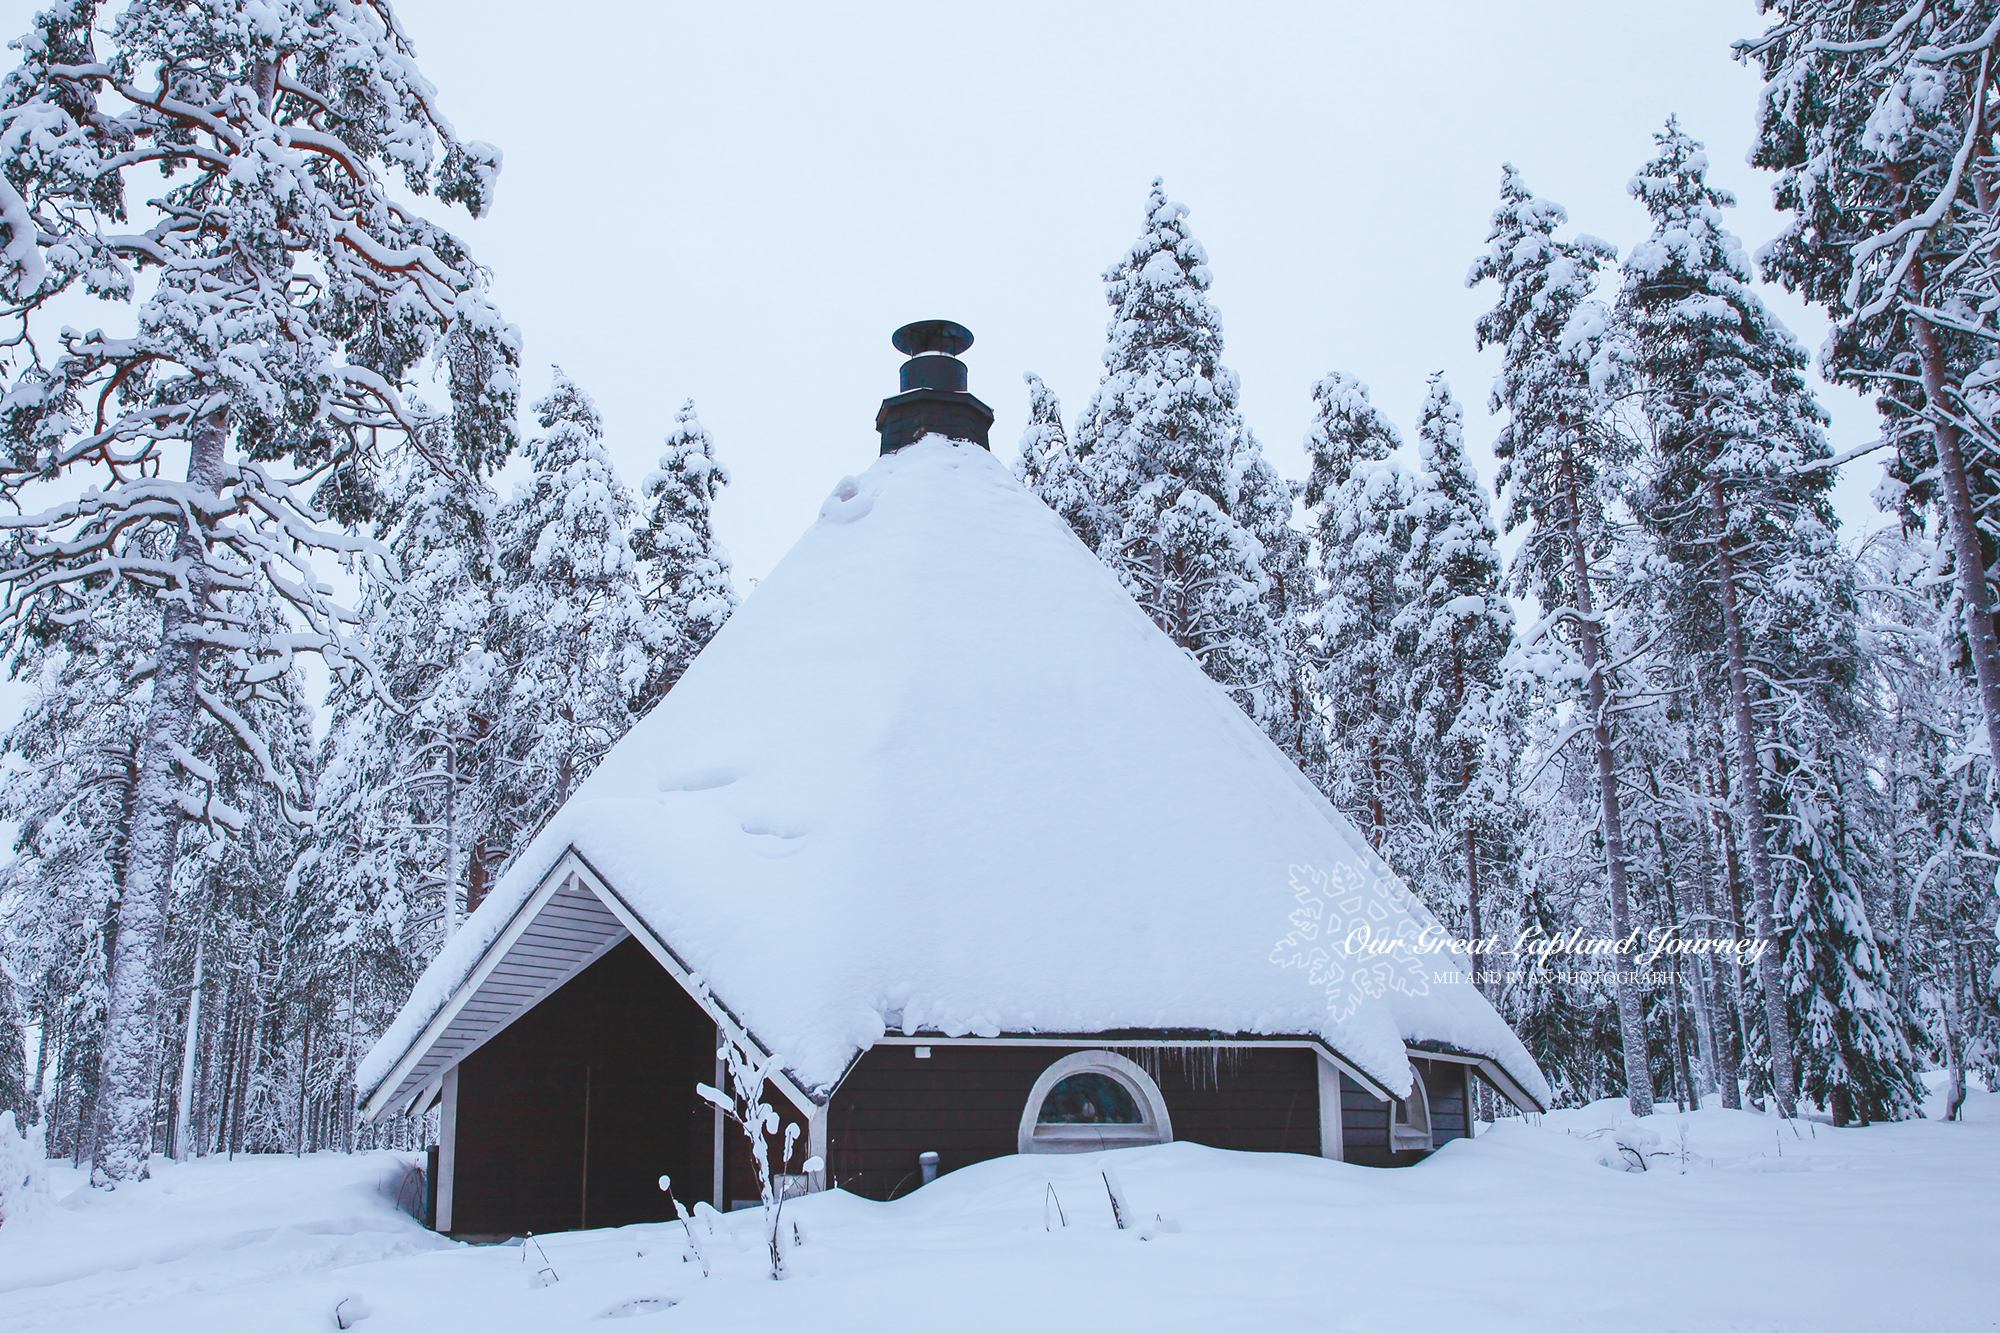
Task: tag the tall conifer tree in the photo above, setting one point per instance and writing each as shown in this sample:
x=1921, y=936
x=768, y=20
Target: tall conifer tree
x=1454, y=626
x=1165, y=452
x=1558, y=460
x=684, y=572
x=1359, y=496
x=1735, y=499
x=571, y=626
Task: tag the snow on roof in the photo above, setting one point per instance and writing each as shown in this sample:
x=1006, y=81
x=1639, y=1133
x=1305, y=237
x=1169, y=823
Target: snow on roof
x=942, y=772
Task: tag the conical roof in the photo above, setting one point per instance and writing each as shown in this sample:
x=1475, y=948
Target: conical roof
x=941, y=773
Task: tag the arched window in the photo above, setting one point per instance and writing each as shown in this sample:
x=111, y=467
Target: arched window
x=1410, y=1118
x=1092, y=1100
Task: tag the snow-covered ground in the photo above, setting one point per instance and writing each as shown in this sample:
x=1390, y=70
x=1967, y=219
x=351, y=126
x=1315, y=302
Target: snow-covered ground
x=1795, y=1228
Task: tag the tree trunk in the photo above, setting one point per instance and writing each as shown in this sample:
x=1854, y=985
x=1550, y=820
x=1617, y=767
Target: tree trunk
x=1631, y=1022
x=131, y=1037
x=1710, y=997
x=1738, y=1005
x=184, y=1105
x=1750, y=807
x=450, y=835
x=36, y=1106
x=1690, y=1090
x=1465, y=776
x=225, y=1079
x=305, y=1073
x=1967, y=554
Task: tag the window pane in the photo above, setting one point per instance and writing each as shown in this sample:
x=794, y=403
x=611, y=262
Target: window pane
x=1090, y=1099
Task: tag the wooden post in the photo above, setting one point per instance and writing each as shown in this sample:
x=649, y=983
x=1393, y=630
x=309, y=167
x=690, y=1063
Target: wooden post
x=721, y=1077
x=818, y=1144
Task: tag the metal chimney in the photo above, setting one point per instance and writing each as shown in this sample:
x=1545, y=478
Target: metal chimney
x=933, y=400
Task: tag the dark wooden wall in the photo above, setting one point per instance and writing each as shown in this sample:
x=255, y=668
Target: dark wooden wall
x=520, y=1142
x=1447, y=1082
x=964, y=1103
x=1364, y=1121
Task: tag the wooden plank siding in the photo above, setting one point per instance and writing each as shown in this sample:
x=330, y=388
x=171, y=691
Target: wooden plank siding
x=520, y=1140
x=1446, y=1082
x=965, y=1102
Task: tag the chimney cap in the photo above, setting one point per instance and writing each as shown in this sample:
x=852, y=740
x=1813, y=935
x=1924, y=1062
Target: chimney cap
x=932, y=335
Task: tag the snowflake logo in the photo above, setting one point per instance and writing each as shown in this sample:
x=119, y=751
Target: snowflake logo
x=1359, y=940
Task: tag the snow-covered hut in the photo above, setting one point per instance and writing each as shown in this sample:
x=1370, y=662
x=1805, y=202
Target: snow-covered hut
x=944, y=822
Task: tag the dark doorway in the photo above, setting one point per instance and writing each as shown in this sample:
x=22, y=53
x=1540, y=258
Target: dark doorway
x=570, y=1115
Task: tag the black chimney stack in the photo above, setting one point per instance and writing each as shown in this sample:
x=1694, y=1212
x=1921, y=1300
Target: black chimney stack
x=933, y=400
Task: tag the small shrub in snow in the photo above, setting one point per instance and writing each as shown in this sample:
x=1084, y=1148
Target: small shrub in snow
x=687, y=1223
x=742, y=1103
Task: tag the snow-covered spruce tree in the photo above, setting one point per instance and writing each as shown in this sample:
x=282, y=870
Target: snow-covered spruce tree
x=1557, y=456
x=1877, y=119
x=683, y=570
x=1453, y=626
x=1853, y=1051
x=1049, y=466
x=571, y=627
x=1734, y=498
x=1164, y=448
x=282, y=300
x=1287, y=705
x=1359, y=497
x=404, y=767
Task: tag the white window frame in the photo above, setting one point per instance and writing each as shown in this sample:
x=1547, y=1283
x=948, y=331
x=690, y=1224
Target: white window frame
x=1156, y=1126
x=1410, y=1118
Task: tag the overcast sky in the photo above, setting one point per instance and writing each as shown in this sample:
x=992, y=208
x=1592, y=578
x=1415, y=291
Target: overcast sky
x=738, y=202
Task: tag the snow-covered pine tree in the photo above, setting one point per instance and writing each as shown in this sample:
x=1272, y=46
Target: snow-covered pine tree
x=1359, y=497
x=1164, y=448
x=1938, y=826
x=684, y=571
x=1049, y=466
x=1454, y=625
x=14, y=1089
x=283, y=301
x=69, y=792
x=1557, y=459
x=1875, y=118
x=1736, y=497
x=73, y=796
x=571, y=626
x=240, y=881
